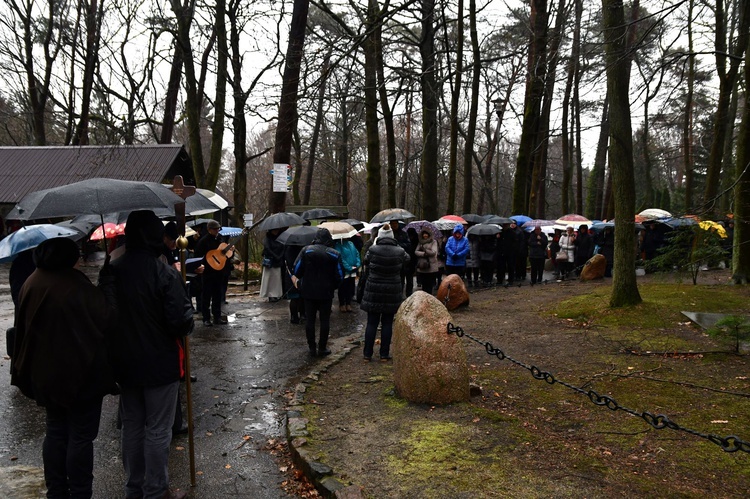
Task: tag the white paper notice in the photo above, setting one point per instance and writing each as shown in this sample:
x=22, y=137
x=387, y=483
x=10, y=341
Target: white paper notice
x=280, y=177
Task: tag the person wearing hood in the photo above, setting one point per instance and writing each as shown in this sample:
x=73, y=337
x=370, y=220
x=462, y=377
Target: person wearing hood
x=60, y=360
x=426, y=254
x=318, y=272
x=456, y=251
x=155, y=313
x=383, y=291
x=351, y=262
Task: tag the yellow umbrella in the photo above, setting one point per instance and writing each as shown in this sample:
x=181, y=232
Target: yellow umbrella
x=709, y=225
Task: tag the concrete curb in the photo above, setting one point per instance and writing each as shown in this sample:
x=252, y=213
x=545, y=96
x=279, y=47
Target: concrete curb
x=320, y=474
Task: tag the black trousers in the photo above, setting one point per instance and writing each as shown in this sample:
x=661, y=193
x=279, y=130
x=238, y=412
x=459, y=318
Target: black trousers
x=537, y=269
x=68, y=449
x=312, y=308
x=211, y=294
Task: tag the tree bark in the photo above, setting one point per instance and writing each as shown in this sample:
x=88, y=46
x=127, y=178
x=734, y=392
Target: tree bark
x=687, y=125
x=319, y=116
x=532, y=105
x=390, y=133
x=624, y=285
x=220, y=101
x=371, y=112
x=473, y=108
x=93, y=19
x=430, y=101
x=288, y=106
x=455, y=101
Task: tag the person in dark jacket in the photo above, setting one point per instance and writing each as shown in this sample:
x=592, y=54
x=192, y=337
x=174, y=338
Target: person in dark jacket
x=213, y=280
x=506, y=255
x=537, y=253
x=318, y=273
x=584, y=248
x=456, y=251
x=385, y=261
x=405, y=241
x=272, y=284
x=296, y=305
x=155, y=313
x=522, y=251
x=487, y=250
x=60, y=361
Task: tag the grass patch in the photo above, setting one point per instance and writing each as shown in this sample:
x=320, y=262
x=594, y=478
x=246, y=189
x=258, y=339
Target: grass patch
x=661, y=306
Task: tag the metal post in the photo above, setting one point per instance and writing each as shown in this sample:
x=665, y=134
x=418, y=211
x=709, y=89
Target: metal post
x=182, y=244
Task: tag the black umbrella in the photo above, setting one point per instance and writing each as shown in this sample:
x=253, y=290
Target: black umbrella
x=392, y=214
x=473, y=218
x=318, y=214
x=301, y=235
x=494, y=219
x=280, y=220
x=357, y=224
x=484, y=229
x=96, y=196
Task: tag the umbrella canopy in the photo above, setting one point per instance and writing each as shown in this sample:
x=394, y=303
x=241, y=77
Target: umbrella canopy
x=679, y=222
x=529, y=226
x=201, y=202
x=494, y=219
x=215, y=198
x=484, y=230
x=473, y=218
x=418, y=225
x=302, y=235
x=709, y=225
x=573, y=220
x=198, y=221
x=357, y=224
x=521, y=219
x=339, y=230
x=110, y=231
x=392, y=214
x=94, y=196
x=654, y=213
x=318, y=214
x=445, y=224
x=281, y=220
x=30, y=237
x=231, y=231
x=453, y=218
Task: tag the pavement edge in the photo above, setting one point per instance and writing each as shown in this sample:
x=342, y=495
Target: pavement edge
x=320, y=474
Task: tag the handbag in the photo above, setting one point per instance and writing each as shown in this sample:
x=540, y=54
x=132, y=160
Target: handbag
x=423, y=263
x=562, y=256
x=361, y=286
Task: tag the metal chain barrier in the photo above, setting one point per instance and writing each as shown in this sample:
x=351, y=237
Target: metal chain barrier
x=730, y=443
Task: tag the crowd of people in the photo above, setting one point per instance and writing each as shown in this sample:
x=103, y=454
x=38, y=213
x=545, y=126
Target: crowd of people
x=73, y=342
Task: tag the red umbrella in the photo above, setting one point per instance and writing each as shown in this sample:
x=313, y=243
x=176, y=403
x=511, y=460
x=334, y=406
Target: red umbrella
x=110, y=231
x=453, y=218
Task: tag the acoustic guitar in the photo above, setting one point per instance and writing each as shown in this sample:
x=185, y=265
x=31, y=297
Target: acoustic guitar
x=218, y=257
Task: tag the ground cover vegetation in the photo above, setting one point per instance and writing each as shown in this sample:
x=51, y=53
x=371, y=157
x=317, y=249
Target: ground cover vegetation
x=524, y=437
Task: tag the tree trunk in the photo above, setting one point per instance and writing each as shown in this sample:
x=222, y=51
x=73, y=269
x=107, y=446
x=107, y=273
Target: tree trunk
x=319, y=116
x=624, y=285
x=455, y=101
x=407, y=149
x=687, y=125
x=727, y=81
x=430, y=101
x=532, y=105
x=741, y=253
x=220, y=102
x=238, y=120
x=594, y=206
x=288, y=105
x=474, y=106
x=371, y=112
x=343, y=155
x=94, y=12
x=390, y=133
x=171, y=97
x=566, y=135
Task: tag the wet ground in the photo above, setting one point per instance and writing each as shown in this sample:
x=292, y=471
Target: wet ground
x=243, y=371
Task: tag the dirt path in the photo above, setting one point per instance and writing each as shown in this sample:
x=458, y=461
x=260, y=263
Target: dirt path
x=525, y=438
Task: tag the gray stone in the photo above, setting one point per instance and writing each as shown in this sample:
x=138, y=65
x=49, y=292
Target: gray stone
x=320, y=469
x=429, y=365
x=22, y=482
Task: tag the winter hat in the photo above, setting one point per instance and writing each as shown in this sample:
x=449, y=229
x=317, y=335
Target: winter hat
x=213, y=224
x=144, y=230
x=56, y=254
x=384, y=231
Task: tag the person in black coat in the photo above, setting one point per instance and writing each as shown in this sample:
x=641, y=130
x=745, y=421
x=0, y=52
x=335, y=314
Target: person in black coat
x=154, y=314
x=606, y=242
x=60, y=361
x=213, y=280
x=506, y=255
x=318, y=273
x=537, y=253
x=385, y=261
x=584, y=248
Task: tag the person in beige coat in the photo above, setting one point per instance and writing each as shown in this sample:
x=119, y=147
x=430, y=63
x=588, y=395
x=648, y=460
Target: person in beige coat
x=427, y=264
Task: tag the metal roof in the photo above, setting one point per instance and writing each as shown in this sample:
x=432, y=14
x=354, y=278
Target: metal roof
x=29, y=169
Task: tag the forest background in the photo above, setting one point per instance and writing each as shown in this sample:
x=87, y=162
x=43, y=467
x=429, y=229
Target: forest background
x=435, y=106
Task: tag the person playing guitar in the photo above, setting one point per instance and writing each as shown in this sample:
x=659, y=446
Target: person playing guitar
x=215, y=254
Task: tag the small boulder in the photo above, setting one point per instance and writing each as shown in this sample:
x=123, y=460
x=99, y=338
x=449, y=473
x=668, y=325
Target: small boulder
x=429, y=365
x=454, y=289
x=594, y=268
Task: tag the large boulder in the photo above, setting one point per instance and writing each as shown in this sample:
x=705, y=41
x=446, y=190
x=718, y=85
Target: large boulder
x=594, y=268
x=453, y=288
x=429, y=365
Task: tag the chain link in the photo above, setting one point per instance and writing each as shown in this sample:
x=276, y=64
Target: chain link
x=730, y=443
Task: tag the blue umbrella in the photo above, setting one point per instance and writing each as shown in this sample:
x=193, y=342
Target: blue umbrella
x=30, y=237
x=231, y=231
x=521, y=219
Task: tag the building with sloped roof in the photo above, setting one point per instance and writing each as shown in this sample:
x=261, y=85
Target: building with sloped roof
x=28, y=169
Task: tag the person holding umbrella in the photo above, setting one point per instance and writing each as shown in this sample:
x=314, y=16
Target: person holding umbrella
x=155, y=311
x=537, y=253
x=60, y=360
